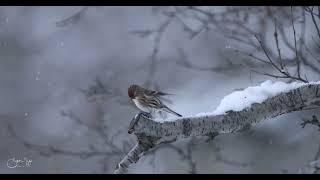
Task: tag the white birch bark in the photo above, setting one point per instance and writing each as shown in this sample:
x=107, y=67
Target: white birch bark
x=150, y=133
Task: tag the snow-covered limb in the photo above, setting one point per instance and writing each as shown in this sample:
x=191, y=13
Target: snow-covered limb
x=296, y=98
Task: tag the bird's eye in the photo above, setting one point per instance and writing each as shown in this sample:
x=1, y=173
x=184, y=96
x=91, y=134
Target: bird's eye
x=130, y=93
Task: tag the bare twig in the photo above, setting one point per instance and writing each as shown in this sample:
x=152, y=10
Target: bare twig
x=155, y=50
x=253, y=56
x=310, y=10
x=50, y=150
x=314, y=121
x=72, y=19
x=295, y=44
x=317, y=158
x=267, y=54
x=98, y=130
x=304, y=60
x=285, y=73
x=187, y=63
x=286, y=76
x=312, y=55
x=275, y=34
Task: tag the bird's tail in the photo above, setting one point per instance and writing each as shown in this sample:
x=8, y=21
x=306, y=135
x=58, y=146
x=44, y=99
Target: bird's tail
x=171, y=111
x=160, y=93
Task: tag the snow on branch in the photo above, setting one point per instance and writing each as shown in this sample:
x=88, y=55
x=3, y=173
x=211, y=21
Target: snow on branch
x=236, y=112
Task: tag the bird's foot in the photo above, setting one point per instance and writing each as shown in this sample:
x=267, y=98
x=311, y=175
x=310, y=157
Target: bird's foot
x=135, y=120
x=132, y=123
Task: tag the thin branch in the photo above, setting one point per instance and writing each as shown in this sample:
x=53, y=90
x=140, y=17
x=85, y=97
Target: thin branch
x=187, y=63
x=252, y=56
x=287, y=76
x=317, y=158
x=275, y=34
x=314, y=20
x=267, y=55
x=310, y=65
x=98, y=130
x=155, y=50
x=295, y=44
x=50, y=150
x=247, y=41
x=312, y=55
x=311, y=11
x=292, y=48
x=73, y=18
x=281, y=70
x=314, y=121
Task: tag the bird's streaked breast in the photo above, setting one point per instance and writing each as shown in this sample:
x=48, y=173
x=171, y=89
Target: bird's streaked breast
x=140, y=106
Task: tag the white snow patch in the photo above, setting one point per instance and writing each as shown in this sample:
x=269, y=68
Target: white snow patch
x=240, y=100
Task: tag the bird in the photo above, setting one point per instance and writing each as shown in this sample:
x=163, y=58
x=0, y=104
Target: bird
x=149, y=101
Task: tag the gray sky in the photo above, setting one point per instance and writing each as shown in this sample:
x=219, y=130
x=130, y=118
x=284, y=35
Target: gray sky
x=42, y=68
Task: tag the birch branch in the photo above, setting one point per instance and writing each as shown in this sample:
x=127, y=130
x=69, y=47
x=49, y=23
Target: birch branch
x=150, y=133
x=131, y=157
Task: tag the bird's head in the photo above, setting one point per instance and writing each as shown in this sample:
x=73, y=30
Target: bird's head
x=132, y=91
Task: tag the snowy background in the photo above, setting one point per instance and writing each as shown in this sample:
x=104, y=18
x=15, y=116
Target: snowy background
x=64, y=83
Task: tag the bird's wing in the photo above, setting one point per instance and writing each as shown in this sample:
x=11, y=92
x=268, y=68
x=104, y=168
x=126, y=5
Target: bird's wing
x=167, y=109
x=171, y=111
x=156, y=93
x=156, y=103
x=151, y=101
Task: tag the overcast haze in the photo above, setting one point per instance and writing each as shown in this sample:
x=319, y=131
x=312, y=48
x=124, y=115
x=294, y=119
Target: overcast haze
x=47, y=69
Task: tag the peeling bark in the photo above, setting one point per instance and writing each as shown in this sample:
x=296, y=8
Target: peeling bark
x=150, y=133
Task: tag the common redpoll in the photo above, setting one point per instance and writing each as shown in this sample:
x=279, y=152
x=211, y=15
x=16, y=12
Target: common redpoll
x=148, y=100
